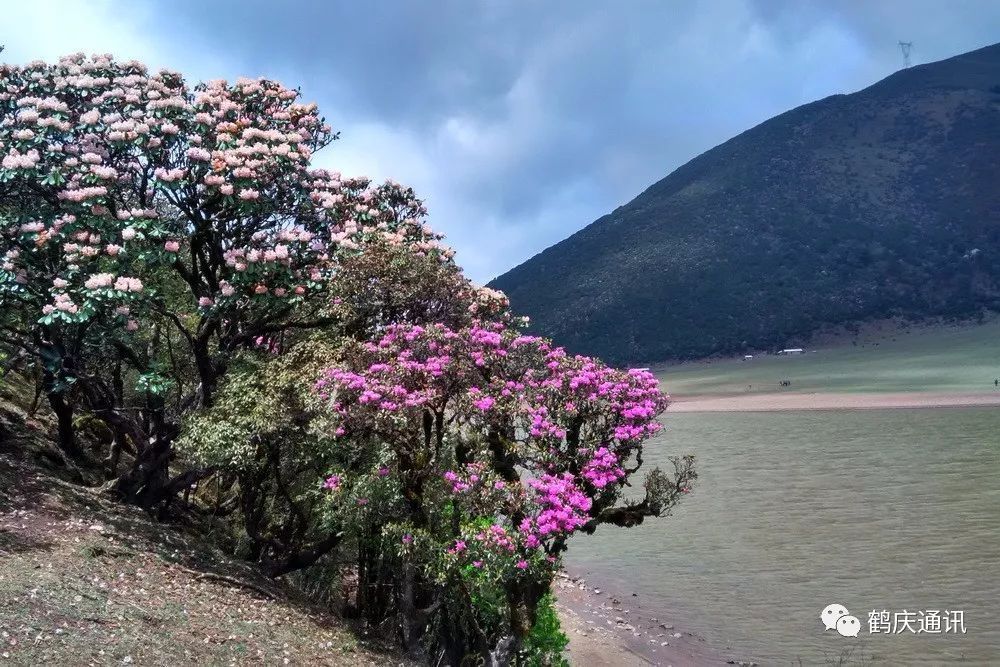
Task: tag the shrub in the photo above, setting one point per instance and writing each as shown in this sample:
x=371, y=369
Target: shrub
x=546, y=642
x=497, y=447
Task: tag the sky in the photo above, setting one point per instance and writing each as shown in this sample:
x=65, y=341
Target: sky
x=518, y=122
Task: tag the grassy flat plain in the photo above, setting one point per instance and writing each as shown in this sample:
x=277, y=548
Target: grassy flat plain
x=944, y=358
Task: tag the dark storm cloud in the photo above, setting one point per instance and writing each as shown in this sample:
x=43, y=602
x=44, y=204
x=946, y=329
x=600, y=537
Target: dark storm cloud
x=521, y=122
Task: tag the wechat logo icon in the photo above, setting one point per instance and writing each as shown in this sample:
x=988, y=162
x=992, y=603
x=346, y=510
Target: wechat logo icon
x=836, y=617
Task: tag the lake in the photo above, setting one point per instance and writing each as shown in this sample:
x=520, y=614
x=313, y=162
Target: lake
x=876, y=509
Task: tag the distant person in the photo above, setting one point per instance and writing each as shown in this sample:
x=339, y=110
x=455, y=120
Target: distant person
x=996, y=382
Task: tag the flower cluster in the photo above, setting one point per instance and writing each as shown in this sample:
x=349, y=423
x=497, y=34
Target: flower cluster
x=497, y=537
x=333, y=483
x=563, y=507
x=567, y=421
x=603, y=468
x=127, y=162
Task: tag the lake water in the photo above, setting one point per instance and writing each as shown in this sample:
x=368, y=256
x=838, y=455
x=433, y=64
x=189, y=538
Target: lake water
x=880, y=509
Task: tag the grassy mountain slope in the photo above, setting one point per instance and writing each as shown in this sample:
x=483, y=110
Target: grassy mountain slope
x=879, y=203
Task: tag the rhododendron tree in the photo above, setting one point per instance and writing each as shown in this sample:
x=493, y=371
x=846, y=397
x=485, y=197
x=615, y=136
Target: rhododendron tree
x=149, y=228
x=502, y=446
x=390, y=284
x=264, y=433
x=181, y=275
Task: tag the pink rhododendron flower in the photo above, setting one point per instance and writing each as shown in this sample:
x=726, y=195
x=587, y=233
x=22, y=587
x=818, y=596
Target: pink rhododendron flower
x=99, y=280
x=603, y=469
x=484, y=403
x=126, y=284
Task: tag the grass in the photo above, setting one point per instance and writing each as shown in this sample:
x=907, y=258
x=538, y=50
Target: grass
x=85, y=581
x=944, y=358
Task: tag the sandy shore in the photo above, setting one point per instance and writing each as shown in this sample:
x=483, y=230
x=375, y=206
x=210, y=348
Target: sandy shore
x=612, y=629
x=769, y=402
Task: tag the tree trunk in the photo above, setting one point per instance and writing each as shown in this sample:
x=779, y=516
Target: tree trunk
x=302, y=558
x=453, y=640
x=39, y=390
x=63, y=410
x=147, y=482
x=361, y=595
x=408, y=629
x=117, y=444
x=522, y=599
x=206, y=371
x=503, y=653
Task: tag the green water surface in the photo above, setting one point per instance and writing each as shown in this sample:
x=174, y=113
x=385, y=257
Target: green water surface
x=880, y=509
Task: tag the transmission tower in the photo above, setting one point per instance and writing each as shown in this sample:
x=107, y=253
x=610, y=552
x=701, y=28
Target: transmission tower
x=905, y=48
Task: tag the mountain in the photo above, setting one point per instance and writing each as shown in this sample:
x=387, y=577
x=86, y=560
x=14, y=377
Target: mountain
x=884, y=202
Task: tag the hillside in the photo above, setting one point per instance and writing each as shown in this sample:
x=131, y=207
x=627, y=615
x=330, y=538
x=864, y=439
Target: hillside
x=879, y=203
x=85, y=581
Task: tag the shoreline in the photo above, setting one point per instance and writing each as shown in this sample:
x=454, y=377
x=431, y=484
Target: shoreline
x=782, y=401
x=607, y=628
